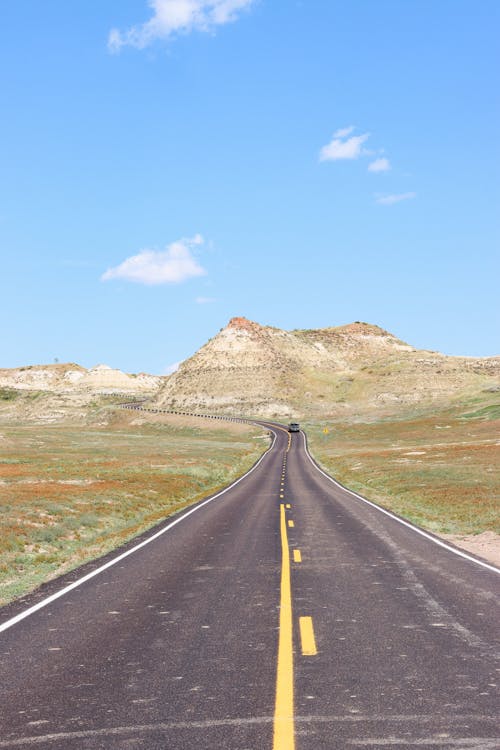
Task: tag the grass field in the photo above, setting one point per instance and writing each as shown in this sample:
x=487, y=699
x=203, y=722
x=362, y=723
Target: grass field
x=442, y=471
x=69, y=494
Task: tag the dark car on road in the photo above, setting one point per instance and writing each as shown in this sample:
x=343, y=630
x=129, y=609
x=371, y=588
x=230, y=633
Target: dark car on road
x=294, y=427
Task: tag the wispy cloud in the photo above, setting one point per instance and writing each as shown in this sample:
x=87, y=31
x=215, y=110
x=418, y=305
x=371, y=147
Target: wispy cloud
x=171, y=17
x=205, y=300
x=170, y=266
x=345, y=145
x=379, y=165
x=342, y=147
x=343, y=132
x=389, y=200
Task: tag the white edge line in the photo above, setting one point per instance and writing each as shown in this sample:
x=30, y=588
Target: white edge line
x=409, y=525
x=110, y=563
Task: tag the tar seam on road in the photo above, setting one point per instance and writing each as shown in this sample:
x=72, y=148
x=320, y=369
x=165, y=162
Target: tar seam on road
x=102, y=568
x=396, y=518
x=284, y=730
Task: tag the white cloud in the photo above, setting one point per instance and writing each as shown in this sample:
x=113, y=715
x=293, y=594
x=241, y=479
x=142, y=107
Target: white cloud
x=343, y=132
x=205, y=300
x=172, y=17
x=170, y=369
x=342, y=148
x=389, y=200
x=380, y=165
x=170, y=266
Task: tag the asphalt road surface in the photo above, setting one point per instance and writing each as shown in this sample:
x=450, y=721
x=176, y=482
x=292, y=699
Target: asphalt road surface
x=285, y=613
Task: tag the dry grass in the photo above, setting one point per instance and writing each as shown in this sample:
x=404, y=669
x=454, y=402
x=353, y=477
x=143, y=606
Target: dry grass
x=70, y=494
x=441, y=471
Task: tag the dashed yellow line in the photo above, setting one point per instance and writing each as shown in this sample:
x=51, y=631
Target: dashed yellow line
x=307, y=638
x=297, y=556
x=291, y=523
x=288, y=506
x=284, y=729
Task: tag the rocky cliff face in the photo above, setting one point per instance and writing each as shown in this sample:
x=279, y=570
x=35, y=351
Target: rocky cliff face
x=258, y=370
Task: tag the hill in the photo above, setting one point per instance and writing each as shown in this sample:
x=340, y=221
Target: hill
x=67, y=392
x=73, y=377
x=346, y=371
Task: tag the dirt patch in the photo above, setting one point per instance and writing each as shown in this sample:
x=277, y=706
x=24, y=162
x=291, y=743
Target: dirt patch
x=485, y=545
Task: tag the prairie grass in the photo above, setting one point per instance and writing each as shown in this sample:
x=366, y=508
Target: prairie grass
x=69, y=494
x=442, y=471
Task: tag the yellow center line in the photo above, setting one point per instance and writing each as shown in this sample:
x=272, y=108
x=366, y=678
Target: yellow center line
x=284, y=729
x=307, y=636
x=297, y=555
x=291, y=524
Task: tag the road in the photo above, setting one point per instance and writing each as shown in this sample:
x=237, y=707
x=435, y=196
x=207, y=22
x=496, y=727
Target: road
x=285, y=613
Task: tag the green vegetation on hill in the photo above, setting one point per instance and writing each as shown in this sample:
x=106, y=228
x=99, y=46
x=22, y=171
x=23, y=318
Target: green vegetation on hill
x=8, y=394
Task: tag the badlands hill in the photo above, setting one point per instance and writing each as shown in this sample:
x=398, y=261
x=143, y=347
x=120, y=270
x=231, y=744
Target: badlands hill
x=67, y=392
x=357, y=369
x=72, y=377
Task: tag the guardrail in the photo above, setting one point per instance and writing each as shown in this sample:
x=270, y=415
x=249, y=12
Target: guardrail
x=135, y=406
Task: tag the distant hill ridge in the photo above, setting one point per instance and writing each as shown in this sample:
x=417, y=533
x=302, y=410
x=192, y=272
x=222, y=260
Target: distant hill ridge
x=70, y=377
x=248, y=368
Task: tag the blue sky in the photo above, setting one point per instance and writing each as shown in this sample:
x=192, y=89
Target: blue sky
x=167, y=165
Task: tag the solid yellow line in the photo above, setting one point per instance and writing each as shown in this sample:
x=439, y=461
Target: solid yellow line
x=291, y=523
x=284, y=730
x=307, y=636
x=297, y=557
